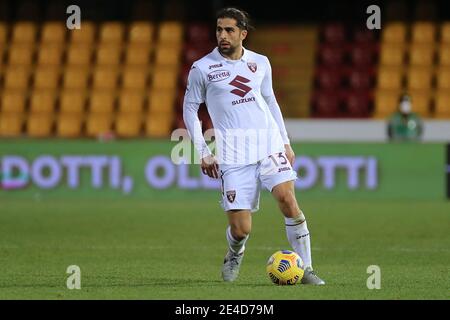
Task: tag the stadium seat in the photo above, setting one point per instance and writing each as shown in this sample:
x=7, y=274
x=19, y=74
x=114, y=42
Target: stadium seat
x=138, y=54
x=331, y=55
x=111, y=32
x=3, y=32
x=170, y=32
x=167, y=55
x=16, y=77
x=329, y=78
x=134, y=78
x=442, y=104
x=72, y=101
x=43, y=101
x=362, y=55
x=357, y=103
x=360, y=78
x=98, y=124
x=50, y=54
x=46, y=77
x=445, y=32
x=21, y=54
x=69, y=125
x=334, y=32
x=53, y=32
x=326, y=104
x=105, y=77
x=24, y=32
x=13, y=101
x=76, y=77
x=131, y=101
x=158, y=125
x=444, y=54
x=392, y=54
x=363, y=35
x=423, y=32
x=165, y=78
x=394, y=32
x=129, y=124
x=39, y=125
x=419, y=78
x=79, y=54
x=193, y=52
x=141, y=32
x=161, y=101
x=421, y=102
x=108, y=54
x=390, y=77
x=422, y=54
x=102, y=101
x=443, y=78
x=85, y=35
x=386, y=102
x=11, y=124
x=198, y=33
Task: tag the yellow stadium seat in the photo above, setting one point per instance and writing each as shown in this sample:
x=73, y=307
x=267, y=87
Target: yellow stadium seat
x=390, y=77
x=394, y=32
x=134, y=78
x=16, y=77
x=444, y=55
x=76, y=78
x=423, y=32
x=170, y=32
x=161, y=101
x=165, y=78
x=138, y=54
x=46, y=77
x=421, y=102
x=23, y=31
x=158, y=125
x=11, y=124
x=68, y=125
x=111, y=32
x=3, y=33
x=85, y=35
x=141, y=32
x=98, y=124
x=39, y=125
x=53, y=32
x=50, y=54
x=102, y=101
x=167, y=55
x=43, y=101
x=79, y=54
x=131, y=101
x=422, y=54
x=445, y=32
x=128, y=124
x=13, y=101
x=443, y=78
x=386, y=102
x=109, y=54
x=442, y=104
x=72, y=101
x=105, y=77
x=21, y=54
x=392, y=54
x=419, y=78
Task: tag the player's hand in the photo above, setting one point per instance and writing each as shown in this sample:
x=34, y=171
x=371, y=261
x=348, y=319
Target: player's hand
x=290, y=154
x=210, y=167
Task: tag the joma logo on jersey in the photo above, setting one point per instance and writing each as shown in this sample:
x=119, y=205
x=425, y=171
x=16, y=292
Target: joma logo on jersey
x=215, y=66
x=242, y=89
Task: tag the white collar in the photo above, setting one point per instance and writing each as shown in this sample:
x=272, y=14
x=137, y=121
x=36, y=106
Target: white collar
x=244, y=57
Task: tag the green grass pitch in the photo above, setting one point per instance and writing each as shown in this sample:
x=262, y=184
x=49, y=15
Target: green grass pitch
x=173, y=249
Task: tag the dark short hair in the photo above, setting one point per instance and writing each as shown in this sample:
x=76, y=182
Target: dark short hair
x=242, y=18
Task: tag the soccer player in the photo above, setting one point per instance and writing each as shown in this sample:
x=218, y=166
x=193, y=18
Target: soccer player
x=236, y=85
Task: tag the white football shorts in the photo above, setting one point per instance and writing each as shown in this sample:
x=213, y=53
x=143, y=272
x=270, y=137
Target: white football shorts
x=241, y=185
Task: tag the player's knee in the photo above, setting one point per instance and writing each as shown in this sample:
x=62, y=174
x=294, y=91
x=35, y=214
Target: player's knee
x=240, y=231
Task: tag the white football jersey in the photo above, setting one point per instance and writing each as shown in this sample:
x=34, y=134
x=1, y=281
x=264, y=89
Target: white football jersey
x=237, y=94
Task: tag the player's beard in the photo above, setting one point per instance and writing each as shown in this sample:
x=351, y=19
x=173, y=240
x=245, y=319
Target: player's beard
x=227, y=51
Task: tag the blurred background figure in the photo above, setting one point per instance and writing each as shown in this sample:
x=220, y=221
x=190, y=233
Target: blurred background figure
x=405, y=125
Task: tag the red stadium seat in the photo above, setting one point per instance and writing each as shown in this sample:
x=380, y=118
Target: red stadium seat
x=357, y=103
x=326, y=104
x=363, y=35
x=360, y=78
x=329, y=78
x=362, y=55
x=332, y=55
x=334, y=32
x=198, y=33
x=193, y=52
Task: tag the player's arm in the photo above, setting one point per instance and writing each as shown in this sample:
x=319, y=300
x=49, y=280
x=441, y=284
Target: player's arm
x=269, y=95
x=194, y=96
